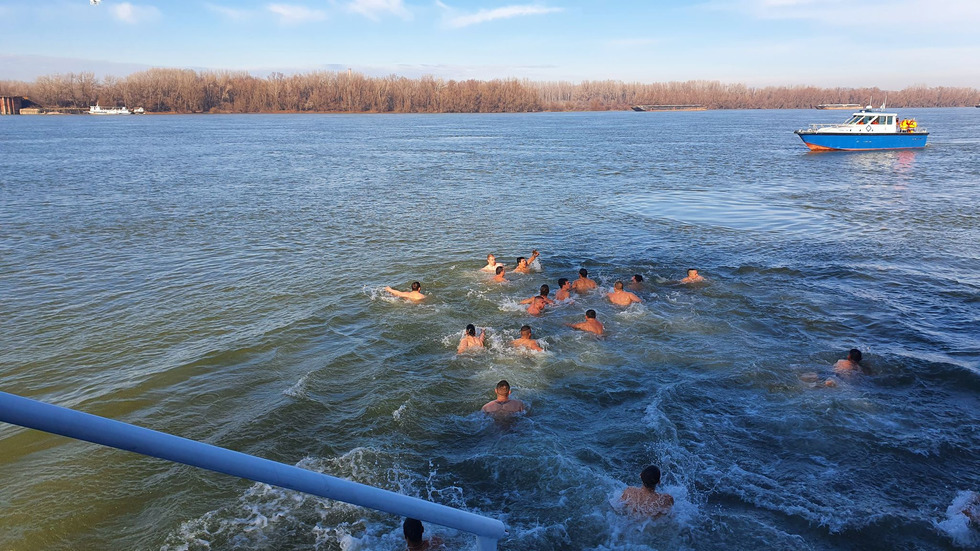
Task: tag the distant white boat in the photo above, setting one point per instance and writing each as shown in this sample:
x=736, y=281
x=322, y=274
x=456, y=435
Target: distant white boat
x=96, y=110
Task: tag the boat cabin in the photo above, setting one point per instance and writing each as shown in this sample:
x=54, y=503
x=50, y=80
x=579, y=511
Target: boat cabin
x=871, y=118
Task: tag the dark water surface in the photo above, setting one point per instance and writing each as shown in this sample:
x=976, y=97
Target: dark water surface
x=219, y=278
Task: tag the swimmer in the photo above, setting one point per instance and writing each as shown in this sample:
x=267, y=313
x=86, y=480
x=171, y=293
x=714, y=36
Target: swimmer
x=692, y=277
x=564, y=289
x=851, y=364
x=636, y=283
x=470, y=340
x=537, y=303
x=503, y=404
x=491, y=264
x=499, y=278
x=591, y=324
x=524, y=264
x=413, y=531
x=415, y=294
x=526, y=341
x=619, y=297
x=644, y=500
x=972, y=509
x=583, y=284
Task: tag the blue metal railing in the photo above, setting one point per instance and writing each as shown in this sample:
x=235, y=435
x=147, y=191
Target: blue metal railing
x=32, y=414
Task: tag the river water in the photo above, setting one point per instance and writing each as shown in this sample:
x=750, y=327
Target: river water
x=220, y=278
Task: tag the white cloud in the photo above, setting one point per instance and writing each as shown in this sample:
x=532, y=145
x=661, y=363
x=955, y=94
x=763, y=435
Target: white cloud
x=374, y=9
x=229, y=13
x=129, y=13
x=291, y=13
x=934, y=15
x=506, y=12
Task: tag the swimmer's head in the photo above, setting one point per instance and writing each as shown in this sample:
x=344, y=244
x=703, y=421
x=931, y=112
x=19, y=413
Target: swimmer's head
x=637, y=278
x=545, y=290
x=413, y=530
x=491, y=259
x=562, y=281
x=502, y=388
x=500, y=270
x=526, y=331
x=471, y=330
x=691, y=272
x=854, y=355
x=618, y=285
x=521, y=260
x=583, y=272
x=650, y=477
x=416, y=286
x=590, y=313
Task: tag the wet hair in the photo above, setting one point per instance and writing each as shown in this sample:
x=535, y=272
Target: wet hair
x=471, y=330
x=503, y=384
x=590, y=313
x=500, y=270
x=525, y=328
x=583, y=272
x=638, y=278
x=854, y=355
x=416, y=285
x=618, y=285
x=545, y=290
x=562, y=281
x=520, y=258
x=650, y=477
x=412, y=528
x=689, y=270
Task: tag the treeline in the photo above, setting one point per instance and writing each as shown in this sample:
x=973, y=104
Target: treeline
x=188, y=91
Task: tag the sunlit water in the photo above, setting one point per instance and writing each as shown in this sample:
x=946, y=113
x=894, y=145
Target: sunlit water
x=220, y=278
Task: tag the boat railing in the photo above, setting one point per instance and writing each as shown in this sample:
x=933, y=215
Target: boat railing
x=37, y=415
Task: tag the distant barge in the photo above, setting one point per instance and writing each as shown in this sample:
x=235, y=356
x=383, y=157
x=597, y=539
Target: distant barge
x=669, y=108
x=840, y=106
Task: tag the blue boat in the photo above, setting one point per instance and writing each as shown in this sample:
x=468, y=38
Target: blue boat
x=868, y=129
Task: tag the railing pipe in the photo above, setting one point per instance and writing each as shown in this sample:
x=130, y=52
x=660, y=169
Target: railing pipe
x=37, y=415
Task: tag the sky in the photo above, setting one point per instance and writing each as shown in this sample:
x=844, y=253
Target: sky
x=828, y=43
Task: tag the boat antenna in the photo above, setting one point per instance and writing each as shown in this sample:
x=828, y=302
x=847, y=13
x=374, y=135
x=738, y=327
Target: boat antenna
x=884, y=102
x=871, y=101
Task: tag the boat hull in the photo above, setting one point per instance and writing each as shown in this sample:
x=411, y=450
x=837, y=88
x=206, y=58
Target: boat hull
x=853, y=141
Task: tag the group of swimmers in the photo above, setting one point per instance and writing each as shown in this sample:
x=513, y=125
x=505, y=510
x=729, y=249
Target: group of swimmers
x=642, y=500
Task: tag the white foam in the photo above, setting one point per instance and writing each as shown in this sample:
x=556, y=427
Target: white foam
x=512, y=305
x=379, y=293
x=298, y=390
x=397, y=414
x=957, y=525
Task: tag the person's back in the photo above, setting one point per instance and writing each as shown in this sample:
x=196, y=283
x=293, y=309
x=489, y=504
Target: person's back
x=591, y=324
x=526, y=341
x=851, y=364
x=414, y=295
x=619, y=297
x=470, y=339
x=583, y=284
x=503, y=405
x=645, y=500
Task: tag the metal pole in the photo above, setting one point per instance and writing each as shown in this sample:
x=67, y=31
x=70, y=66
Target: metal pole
x=116, y=434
